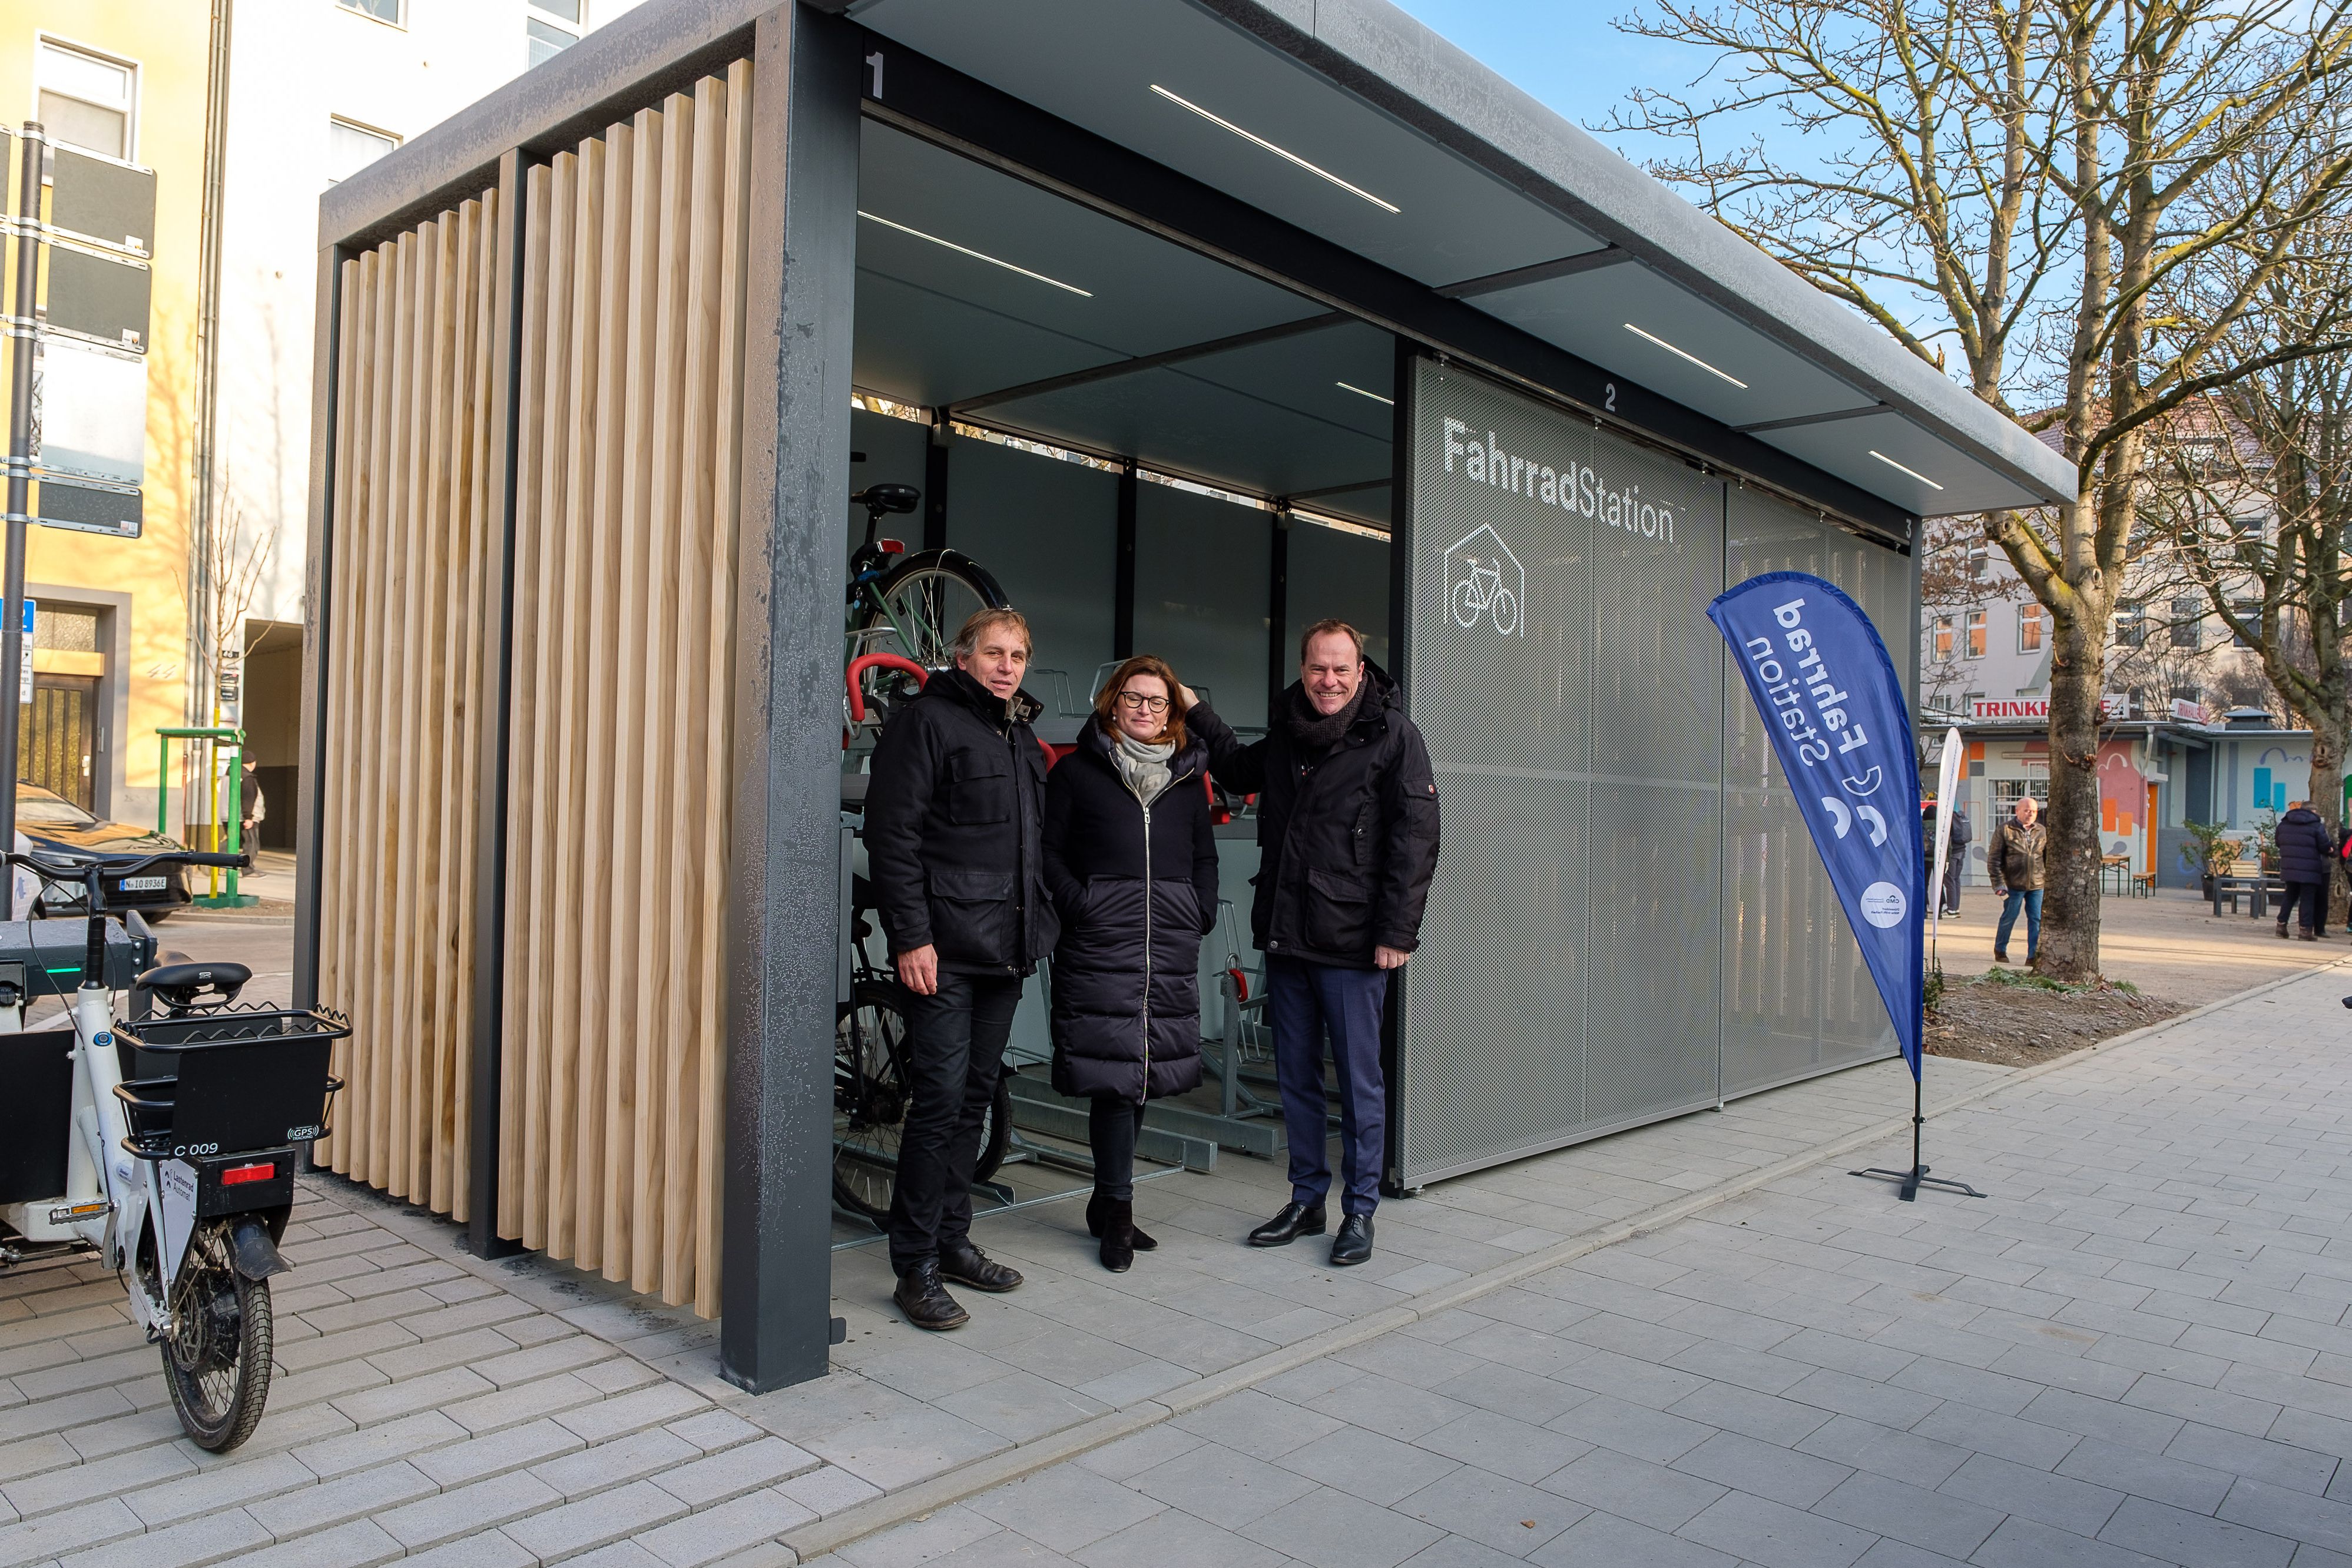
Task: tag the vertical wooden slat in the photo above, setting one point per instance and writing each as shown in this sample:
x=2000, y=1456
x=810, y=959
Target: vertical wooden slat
x=690, y=704
x=627, y=631
x=664, y=336
x=726, y=469
x=597, y=827
x=557, y=1044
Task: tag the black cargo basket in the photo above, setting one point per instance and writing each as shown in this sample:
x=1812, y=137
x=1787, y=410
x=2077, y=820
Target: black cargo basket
x=246, y=1077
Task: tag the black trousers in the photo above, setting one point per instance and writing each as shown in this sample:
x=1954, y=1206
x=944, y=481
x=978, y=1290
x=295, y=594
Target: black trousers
x=1952, y=868
x=1112, y=1127
x=2313, y=897
x=955, y=1049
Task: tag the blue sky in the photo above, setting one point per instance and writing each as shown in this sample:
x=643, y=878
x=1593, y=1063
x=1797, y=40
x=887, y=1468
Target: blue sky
x=1564, y=52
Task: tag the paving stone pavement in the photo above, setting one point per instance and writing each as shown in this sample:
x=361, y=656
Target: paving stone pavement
x=2131, y=1353
x=2134, y=1351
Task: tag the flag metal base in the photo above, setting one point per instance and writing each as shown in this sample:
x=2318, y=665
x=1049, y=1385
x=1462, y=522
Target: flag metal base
x=1912, y=1180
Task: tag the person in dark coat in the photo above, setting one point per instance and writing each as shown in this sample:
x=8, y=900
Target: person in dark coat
x=953, y=850
x=1956, y=841
x=2306, y=857
x=1131, y=864
x=1348, y=842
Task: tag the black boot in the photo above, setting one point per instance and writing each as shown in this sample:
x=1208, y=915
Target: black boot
x=1354, y=1242
x=1294, y=1221
x=968, y=1265
x=925, y=1302
x=1117, y=1236
x=1096, y=1207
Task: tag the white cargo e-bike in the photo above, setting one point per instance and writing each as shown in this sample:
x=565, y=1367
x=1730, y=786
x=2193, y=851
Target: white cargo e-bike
x=164, y=1141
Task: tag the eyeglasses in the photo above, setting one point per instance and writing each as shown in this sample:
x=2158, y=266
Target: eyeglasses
x=1137, y=700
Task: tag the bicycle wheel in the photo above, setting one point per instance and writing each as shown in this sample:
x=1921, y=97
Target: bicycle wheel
x=869, y=1104
x=216, y=1357
x=869, y=1098
x=914, y=611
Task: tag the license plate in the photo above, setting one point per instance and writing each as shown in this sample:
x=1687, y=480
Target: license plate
x=141, y=884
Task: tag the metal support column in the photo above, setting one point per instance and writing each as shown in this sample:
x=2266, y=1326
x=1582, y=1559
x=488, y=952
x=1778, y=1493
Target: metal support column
x=782, y=923
x=1279, y=656
x=1401, y=546
x=490, y=803
x=935, y=483
x=1122, y=593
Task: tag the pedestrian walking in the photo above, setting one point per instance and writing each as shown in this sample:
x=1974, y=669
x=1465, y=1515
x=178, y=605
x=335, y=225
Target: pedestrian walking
x=2307, y=849
x=952, y=849
x=1346, y=841
x=2014, y=861
x=1131, y=864
x=1956, y=859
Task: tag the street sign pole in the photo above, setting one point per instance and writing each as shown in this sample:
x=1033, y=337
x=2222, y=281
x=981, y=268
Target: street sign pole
x=20, y=458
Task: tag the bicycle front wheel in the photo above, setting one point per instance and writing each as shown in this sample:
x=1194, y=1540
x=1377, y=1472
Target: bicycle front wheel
x=216, y=1357
x=914, y=611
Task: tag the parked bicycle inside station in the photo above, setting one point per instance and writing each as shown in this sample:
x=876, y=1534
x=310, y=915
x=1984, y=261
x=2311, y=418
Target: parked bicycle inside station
x=163, y=1137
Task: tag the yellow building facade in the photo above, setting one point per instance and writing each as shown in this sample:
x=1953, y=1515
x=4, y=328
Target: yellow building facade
x=125, y=79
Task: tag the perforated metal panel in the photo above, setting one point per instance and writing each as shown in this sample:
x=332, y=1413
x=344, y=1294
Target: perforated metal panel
x=1568, y=681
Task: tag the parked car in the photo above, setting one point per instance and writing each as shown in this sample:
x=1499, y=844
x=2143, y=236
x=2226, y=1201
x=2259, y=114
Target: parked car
x=49, y=820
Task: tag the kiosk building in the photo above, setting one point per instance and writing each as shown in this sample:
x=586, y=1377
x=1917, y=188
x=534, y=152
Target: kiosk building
x=1194, y=321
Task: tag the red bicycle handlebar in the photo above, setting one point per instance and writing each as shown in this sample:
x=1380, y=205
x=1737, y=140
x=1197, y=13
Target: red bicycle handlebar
x=865, y=662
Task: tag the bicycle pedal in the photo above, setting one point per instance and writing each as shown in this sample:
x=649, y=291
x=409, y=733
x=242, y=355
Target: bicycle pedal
x=69, y=1213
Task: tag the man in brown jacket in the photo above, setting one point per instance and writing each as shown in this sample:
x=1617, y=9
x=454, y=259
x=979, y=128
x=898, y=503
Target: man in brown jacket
x=2014, y=861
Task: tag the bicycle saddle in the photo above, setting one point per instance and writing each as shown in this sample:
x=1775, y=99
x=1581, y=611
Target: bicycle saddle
x=179, y=984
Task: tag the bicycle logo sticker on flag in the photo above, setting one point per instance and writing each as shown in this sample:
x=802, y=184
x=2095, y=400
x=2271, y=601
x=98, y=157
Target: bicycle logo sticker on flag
x=1483, y=581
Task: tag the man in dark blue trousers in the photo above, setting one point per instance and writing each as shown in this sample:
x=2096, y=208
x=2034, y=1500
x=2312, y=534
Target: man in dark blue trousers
x=1347, y=842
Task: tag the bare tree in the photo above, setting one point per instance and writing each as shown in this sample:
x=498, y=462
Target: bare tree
x=2020, y=178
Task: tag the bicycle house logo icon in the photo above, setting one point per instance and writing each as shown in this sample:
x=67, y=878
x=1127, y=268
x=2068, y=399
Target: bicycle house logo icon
x=1483, y=581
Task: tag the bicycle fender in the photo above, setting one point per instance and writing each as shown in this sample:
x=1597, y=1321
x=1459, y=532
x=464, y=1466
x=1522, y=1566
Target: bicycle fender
x=254, y=1254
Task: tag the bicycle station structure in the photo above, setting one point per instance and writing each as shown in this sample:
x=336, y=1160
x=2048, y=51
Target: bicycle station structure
x=1189, y=322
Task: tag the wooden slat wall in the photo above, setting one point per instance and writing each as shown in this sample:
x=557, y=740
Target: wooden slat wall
x=627, y=452
x=406, y=677
x=627, y=441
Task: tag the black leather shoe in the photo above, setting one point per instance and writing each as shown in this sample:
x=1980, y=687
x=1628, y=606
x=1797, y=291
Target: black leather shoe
x=968, y=1265
x=1294, y=1221
x=1094, y=1208
x=925, y=1302
x=1354, y=1242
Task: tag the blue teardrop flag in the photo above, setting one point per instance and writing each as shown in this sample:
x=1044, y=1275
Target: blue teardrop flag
x=1833, y=706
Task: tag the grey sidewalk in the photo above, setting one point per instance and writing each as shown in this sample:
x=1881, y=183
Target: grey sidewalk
x=2133, y=1352
x=1740, y=1382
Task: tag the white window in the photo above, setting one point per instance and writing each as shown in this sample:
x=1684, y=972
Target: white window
x=381, y=10
x=351, y=147
x=2131, y=623
x=2029, y=625
x=87, y=101
x=553, y=27
x=1979, y=561
x=2188, y=623
x=1975, y=634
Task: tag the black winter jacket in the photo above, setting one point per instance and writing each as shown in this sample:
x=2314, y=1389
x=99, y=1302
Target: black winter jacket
x=951, y=829
x=1136, y=891
x=2306, y=848
x=1348, y=840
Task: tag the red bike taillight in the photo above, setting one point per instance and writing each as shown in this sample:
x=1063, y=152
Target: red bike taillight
x=238, y=1175
x=891, y=547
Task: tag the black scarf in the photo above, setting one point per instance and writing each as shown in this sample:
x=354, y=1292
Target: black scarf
x=1314, y=733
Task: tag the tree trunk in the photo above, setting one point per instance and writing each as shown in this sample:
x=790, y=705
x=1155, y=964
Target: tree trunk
x=2070, y=924
x=2326, y=793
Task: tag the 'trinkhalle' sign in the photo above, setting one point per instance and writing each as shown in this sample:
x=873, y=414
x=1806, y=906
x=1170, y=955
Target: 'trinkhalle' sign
x=2114, y=704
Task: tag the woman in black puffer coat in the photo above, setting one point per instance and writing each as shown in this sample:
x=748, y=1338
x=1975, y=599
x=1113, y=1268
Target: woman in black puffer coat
x=1131, y=865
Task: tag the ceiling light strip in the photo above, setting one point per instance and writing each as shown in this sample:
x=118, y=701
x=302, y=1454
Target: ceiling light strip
x=977, y=254
x=1278, y=151
x=1901, y=469
x=1685, y=354
x=1360, y=392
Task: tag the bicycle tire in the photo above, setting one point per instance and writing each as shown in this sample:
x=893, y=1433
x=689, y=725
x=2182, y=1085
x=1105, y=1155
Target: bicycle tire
x=965, y=586
x=870, y=1104
x=216, y=1362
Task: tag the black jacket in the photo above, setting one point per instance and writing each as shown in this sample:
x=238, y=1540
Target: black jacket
x=1135, y=890
x=952, y=821
x=1348, y=840
x=2306, y=848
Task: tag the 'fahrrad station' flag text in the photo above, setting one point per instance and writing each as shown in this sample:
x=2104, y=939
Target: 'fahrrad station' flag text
x=1835, y=707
